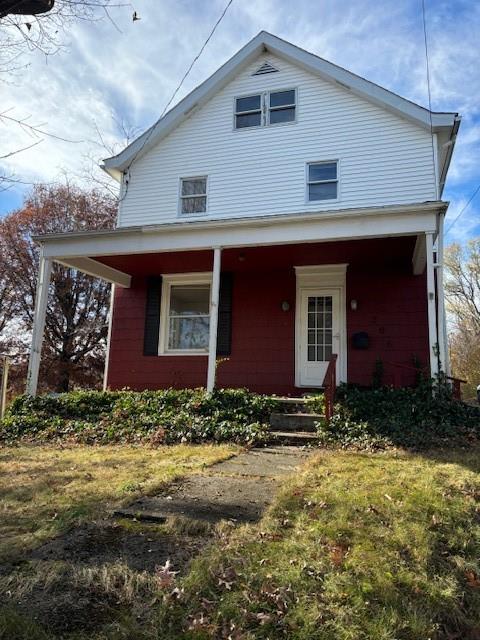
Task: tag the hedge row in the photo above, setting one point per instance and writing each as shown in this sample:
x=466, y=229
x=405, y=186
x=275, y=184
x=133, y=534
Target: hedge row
x=424, y=416
x=156, y=417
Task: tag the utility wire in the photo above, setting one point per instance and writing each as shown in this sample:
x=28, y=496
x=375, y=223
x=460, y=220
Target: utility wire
x=179, y=86
x=425, y=39
x=457, y=217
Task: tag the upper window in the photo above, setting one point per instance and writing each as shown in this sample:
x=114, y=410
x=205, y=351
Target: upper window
x=322, y=181
x=193, y=195
x=271, y=107
x=282, y=106
x=248, y=111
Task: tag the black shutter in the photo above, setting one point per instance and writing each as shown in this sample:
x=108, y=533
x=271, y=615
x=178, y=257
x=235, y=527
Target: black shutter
x=224, y=332
x=152, y=316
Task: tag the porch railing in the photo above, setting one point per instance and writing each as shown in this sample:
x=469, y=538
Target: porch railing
x=330, y=386
x=423, y=371
x=457, y=390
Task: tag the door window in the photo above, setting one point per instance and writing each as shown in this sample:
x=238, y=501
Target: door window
x=319, y=328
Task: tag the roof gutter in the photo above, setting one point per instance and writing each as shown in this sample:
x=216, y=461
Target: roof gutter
x=451, y=146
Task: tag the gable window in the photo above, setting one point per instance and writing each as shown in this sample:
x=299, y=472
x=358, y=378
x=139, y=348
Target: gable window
x=282, y=106
x=248, y=111
x=267, y=108
x=185, y=316
x=322, y=181
x=193, y=195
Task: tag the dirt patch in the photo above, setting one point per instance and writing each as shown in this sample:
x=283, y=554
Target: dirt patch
x=82, y=579
x=140, y=548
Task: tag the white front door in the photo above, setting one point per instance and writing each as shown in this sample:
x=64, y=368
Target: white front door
x=318, y=333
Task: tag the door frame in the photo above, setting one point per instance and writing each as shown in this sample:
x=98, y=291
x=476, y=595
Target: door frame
x=325, y=277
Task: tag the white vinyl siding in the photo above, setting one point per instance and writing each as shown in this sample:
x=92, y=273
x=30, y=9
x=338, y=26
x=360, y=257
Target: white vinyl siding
x=384, y=159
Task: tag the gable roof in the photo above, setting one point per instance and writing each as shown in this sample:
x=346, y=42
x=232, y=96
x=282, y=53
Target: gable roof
x=445, y=123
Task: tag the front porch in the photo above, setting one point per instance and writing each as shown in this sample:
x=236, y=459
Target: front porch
x=282, y=297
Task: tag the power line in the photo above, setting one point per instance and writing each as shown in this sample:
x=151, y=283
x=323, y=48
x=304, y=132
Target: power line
x=180, y=84
x=425, y=39
x=197, y=56
x=464, y=208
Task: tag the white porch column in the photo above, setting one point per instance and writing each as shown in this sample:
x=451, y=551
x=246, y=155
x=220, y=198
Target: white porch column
x=432, y=307
x=442, y=329
x=109, y=336
x=214, y=297
x=41, y=299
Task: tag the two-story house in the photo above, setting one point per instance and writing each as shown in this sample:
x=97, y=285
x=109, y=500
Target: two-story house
x=285, y=211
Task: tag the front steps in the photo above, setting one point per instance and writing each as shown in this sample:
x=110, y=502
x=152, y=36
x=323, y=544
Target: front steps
x=295, y=425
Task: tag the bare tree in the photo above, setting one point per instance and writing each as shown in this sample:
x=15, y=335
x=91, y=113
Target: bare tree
x=46, y=32
x=462, y=290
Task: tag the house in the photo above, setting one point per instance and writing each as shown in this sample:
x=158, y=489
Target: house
x=284, y=212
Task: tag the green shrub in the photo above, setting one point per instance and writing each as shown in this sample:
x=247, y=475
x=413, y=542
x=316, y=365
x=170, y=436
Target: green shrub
x=156, y=417
x=424, y=416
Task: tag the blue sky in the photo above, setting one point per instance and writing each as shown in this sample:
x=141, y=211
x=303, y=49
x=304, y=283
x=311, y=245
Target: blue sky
x=128, y=72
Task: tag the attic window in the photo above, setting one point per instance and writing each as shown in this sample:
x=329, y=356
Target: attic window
x=248, y=111
x=264, y=69
x=267, y=108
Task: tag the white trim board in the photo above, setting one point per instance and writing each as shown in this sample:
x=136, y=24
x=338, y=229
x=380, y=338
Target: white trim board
x=263, y=231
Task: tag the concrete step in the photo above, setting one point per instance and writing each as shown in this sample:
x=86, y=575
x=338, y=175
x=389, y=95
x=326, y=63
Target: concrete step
x=294, y=421
x=296, y=438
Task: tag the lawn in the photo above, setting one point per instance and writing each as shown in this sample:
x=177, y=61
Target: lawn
x=44, y=490
x=358, y=546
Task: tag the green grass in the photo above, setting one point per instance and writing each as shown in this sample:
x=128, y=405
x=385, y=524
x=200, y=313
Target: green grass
x=361, y=546
x=358, y=547
x=46, y=489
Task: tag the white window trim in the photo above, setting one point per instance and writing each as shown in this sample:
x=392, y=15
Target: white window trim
x=307, y=182
x=168, y=280
x=200, y=195
x=264, y=109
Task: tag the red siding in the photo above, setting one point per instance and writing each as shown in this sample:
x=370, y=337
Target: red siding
x=391, y=309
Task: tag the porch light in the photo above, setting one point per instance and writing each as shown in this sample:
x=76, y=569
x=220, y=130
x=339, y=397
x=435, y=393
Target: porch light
x=353, y=305
x=285, y=305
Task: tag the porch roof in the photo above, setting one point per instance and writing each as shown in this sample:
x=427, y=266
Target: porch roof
x=83, y=250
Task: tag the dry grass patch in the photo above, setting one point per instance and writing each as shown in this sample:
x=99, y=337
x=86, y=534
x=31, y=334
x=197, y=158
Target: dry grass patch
x=45, y=489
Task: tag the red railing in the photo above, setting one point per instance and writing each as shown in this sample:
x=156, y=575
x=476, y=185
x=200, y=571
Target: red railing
x=457, y=390
x=397, y=381
x=330, y=386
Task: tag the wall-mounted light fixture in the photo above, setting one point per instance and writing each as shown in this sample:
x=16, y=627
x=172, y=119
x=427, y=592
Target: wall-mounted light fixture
x=285, y=305
x=353, y=305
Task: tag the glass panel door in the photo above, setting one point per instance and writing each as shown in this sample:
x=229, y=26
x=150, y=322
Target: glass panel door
x=319, y=333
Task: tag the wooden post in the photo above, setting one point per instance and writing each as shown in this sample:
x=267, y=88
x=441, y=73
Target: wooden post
x=3, y=389
x=41, y=299
x=214, y=298
x=431, y=307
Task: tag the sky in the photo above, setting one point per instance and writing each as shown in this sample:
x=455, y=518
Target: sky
x=126, y=71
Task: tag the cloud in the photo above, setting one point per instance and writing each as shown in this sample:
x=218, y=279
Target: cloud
x=108, y=74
